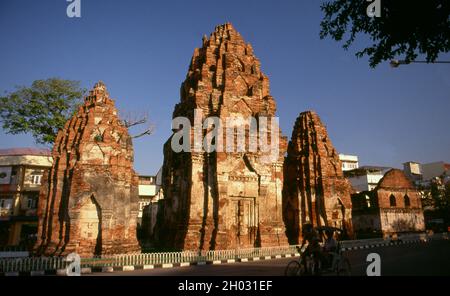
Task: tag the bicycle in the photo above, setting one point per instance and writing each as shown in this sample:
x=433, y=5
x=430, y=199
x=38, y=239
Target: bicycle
x=340, y=264
x=309, y=265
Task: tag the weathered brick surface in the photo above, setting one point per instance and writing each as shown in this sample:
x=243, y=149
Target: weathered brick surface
x=223, y=200
x=89, y=201
x=315, y=190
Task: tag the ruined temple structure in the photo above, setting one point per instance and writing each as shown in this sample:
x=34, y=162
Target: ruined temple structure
x=89, y=202
x=394, y=206
x=223, y=200
x=315, y=190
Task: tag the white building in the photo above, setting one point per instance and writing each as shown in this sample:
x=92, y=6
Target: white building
x=366, y=178
x=149, y=191
x=412, y=170
x=435, y=169
x=349, y=162
x=423, y=173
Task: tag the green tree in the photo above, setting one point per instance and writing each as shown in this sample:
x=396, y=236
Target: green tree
x=445, y=203
x=405, y=27
x=41, y=109
x=437, y=198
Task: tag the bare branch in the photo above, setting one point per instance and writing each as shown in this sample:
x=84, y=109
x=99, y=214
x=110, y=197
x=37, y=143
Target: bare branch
x=129, y=124
x=133, y=118
x=137, y=118
x=147, y=132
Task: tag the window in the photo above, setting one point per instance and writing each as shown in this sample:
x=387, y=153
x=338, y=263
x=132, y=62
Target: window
x=36, y=179
x=407, y=201
x=368, y=201
x=5, y=204
x=31, y=203
x=14, y=174
x=392, y=201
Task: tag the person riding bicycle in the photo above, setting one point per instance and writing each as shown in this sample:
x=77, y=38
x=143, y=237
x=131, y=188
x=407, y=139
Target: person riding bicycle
x=330, y=247
x=330, y=242
x=311, y=237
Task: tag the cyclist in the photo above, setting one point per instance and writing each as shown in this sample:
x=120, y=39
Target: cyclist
x=311, y=237
x=329, y=247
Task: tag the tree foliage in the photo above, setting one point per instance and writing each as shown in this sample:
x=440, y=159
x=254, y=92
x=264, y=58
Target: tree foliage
x=437, y=198
x=440, y=194
x=406, y=28
x=41, y=109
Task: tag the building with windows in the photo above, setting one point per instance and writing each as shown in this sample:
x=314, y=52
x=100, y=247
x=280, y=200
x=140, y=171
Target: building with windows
x=349, y=162
x=394, y=206
x=147, y=192
x=365, y=178
x=21, y=171
x=150, y=192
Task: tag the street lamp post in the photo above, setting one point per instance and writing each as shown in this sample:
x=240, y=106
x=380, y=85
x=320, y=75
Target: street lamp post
x=396, y=63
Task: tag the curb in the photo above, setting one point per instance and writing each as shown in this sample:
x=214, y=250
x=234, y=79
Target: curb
x=386, y=244
x=185, y=264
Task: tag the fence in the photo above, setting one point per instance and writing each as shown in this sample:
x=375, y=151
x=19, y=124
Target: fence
x=55, y=263
x=32, y=264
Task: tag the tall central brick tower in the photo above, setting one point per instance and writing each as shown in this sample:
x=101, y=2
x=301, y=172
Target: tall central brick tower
x=223, y=200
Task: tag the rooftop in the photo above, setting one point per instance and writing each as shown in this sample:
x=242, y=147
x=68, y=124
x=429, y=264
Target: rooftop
x=348, y=157
x=361, y=171
x=395, y=179
x=25, y=151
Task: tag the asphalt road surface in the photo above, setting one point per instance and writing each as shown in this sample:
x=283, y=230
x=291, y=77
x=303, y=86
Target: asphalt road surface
x=417, y=259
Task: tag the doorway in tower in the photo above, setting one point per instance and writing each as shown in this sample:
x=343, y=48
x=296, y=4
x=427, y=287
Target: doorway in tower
x=91, y=227
x=245, y=221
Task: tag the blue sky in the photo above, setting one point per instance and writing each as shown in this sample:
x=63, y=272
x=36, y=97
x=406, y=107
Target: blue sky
x=142, y=49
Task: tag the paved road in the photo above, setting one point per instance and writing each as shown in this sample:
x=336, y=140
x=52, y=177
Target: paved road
x=432, y=258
